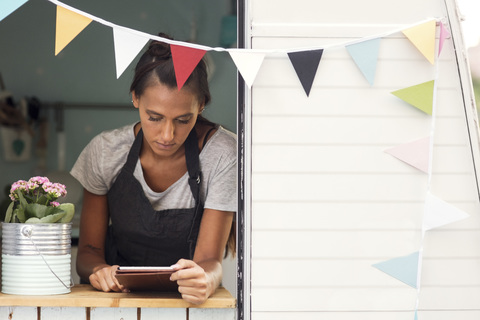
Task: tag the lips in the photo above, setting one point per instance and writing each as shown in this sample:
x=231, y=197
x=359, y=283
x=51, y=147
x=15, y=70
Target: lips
x=164, y=146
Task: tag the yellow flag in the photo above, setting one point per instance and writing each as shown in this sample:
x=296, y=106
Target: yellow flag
x=423, y=37
x=69, y=25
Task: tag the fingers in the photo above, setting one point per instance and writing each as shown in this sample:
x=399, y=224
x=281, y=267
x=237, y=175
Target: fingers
x=191, y=280
x=105, y=280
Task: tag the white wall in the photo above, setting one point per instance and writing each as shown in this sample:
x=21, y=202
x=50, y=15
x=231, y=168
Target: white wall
x=327, y=201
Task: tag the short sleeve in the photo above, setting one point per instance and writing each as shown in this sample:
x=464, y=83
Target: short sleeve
x=88, y=168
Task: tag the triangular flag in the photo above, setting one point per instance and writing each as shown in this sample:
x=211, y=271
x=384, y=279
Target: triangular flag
x=444, y=34
x=185, y=59
x=414, y=153
x=306, y=65
x=8, y=6
x=423, y=37
x=439, y=213
x=404, y=269
x=127, y=46
x=419, y=96
x=248, y=64
x=69, y=25
x=365, y=55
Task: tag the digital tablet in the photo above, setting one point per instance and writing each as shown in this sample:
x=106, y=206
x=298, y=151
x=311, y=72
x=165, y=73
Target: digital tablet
x=123, y=269
x=146, y=278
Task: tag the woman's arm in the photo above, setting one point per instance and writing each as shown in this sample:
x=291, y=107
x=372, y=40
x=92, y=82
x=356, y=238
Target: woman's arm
x=91, y=246
x=198, y=279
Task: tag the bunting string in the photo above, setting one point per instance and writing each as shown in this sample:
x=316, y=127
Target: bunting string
x=220, y=49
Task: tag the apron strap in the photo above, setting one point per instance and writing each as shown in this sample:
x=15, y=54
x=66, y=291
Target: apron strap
x=193, y=164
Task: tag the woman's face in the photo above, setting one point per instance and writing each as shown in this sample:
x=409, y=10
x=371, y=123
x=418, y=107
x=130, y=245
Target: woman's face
x=167, y=116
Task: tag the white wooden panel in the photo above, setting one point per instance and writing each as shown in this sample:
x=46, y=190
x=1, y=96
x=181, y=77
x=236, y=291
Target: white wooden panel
x=113, y=314
x=365, y=299
x=211, y=314
x=344, y=11
x=310, y=273
x=333, y=299
x=353, y=159
x=391, y=75
x=373, y=216
x=327, y=202
x=395, y=315
x=335, y=244
x=18, y=313
x=381, y=245
x=163, y=314
x=334, y=102
x=354, y=131
x=63, y=313
x=340, y=187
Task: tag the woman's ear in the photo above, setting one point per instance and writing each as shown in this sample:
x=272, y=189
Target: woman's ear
x=134, y=99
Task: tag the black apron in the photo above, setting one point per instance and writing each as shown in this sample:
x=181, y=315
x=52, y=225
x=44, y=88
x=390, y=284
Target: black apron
x=138, y=234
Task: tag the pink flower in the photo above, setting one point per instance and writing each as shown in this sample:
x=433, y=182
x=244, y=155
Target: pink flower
x=54, y=204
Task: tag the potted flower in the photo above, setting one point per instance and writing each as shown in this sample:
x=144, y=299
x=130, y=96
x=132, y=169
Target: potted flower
x=36, y=239
x=35, y=201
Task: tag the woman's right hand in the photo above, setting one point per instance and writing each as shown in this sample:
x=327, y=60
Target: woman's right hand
x=104, y=279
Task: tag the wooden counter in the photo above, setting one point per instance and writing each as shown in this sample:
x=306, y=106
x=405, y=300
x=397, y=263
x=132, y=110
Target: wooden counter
x=86, y=303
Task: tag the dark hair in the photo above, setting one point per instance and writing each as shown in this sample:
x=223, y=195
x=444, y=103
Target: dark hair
x=156, y=65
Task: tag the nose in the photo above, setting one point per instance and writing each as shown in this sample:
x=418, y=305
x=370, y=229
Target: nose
x=168, y=132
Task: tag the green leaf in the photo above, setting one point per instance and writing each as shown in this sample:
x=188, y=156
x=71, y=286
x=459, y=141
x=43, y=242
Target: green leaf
x=23, y=202
x=33, y=220
x=69, y=209
x=53, y=217
x=42, y=200
x=8, y=214
x=19, y=213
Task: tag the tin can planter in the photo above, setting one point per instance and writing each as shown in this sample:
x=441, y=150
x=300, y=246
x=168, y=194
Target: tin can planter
x=36, y=258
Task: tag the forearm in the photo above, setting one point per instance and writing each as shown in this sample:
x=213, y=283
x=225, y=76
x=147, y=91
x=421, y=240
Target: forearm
x=89, y=261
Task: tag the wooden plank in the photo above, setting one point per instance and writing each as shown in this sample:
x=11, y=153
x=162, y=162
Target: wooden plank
x=348, y=244
x=343, y=12
x=349, y=273
x=353, y=159
x=18, y=313
x=362, y=299
x=380, y=315
x=163, y=314
x=354, y=131
x=361, y=216
x=272, y=102
x=113, y=314
x=212, y=314
x=333, y=299
x=87, y=296
x=333, y=73
x=63, y=313
x=344, y=187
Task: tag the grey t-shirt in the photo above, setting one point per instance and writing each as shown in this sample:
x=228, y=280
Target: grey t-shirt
x=100, y=162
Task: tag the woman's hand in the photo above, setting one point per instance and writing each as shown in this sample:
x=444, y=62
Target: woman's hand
x=104, y=279
x=193, y=281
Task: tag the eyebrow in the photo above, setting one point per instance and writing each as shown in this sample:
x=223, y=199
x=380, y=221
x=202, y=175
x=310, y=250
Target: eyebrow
x=151, y=112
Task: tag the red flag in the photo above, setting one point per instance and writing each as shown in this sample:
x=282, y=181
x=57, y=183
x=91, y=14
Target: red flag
x=185, y=59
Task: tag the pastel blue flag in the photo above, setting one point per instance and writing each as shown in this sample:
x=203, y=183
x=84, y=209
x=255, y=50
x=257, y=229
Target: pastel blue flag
x=8, y=6
x=365, y=55
x=404, y=269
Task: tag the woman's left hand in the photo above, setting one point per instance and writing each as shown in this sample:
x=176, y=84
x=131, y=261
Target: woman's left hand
x=192, y=280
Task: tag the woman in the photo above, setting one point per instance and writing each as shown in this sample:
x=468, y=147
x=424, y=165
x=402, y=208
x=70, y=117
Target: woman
x=162, y=191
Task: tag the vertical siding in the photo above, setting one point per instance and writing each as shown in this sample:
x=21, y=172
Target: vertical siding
x=327, y=202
